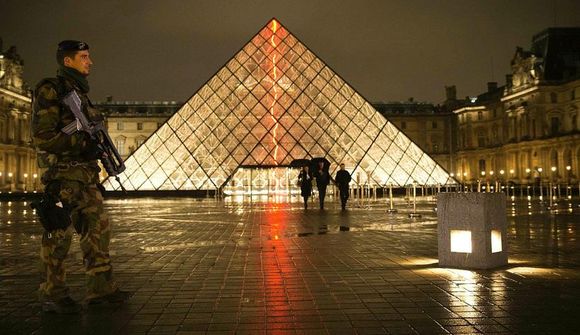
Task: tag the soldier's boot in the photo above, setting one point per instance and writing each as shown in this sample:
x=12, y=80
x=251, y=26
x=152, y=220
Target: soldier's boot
x=115, y=297
x=64, y=305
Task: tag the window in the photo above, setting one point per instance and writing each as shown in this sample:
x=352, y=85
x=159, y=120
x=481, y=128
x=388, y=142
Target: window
x=555, y=125
x=120, y=145
x=140, y=141
x=120, y=126
x=481, y=138
x=479, y=115
x=435, y=147
x=553, y=97
x=139, y=125
x=434, y=125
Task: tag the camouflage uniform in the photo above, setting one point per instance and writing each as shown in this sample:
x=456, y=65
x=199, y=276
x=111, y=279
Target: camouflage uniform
x=72, y=177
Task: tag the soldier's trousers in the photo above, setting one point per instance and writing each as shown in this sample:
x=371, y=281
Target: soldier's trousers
x=90, y=221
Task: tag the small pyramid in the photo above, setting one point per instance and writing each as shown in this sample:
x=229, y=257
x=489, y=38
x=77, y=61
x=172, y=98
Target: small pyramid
x=273, y=102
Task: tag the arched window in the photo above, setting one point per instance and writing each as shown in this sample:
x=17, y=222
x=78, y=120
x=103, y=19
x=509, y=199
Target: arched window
x=481, y=138
x=554, y=125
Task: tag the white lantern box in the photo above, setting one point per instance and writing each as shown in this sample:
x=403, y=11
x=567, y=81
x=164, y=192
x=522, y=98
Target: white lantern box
x=472, y=230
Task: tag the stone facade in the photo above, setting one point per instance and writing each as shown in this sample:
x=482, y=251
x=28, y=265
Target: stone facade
x=429, y=126
x=527, y=131
x=18, y=169
x=130, y=123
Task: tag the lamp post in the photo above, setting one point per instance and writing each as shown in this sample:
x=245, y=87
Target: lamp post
x=25, y=181
x=34, y=176
x=490, y=176
x=528, y=171
x=464, y=178
x=479, y=181
x=568, y=188
x=501, y=173
x=512, y=183
x=541, y=190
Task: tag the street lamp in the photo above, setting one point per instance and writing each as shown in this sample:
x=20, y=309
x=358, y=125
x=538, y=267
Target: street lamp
x=25, y=181
x=34, y=176
x=501, y=173
x=540, y=176
x=528, y=171
x=479, y=181
x=568, y=187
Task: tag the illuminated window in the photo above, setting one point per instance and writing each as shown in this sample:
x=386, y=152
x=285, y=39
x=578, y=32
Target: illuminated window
x=139, y=125
x=496, y=241
x=460, y=241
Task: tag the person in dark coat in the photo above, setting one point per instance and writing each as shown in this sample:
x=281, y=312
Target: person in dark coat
x=342, y=180
x=305, y=182
x=322, y=180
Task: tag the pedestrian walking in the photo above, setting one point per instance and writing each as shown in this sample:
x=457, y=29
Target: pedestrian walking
x=342, y=180
x=305, y=183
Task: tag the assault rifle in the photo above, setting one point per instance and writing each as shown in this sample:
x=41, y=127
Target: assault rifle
x=109, y=157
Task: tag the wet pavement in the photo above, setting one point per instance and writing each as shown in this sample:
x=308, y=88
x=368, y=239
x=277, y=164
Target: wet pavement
x=206, y=266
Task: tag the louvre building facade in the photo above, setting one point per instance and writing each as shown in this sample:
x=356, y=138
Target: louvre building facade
x=274, y=102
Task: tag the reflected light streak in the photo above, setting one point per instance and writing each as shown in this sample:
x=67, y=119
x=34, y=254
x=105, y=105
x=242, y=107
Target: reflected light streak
x=274, y=84
x=420, y=261
x=527, y=270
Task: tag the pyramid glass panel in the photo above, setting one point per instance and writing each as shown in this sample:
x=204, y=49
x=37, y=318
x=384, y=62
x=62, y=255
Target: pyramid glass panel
x=273, y=102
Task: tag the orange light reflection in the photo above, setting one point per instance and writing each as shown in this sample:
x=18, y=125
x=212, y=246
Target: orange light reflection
x=275, y=88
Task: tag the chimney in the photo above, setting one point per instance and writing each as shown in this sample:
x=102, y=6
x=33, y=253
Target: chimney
x=491, y=86
x=451, y=93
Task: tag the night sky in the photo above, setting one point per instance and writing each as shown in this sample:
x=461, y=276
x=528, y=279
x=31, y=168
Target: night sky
x=387, y=50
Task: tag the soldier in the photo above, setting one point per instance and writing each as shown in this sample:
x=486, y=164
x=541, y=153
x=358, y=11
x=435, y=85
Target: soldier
x=72, y=188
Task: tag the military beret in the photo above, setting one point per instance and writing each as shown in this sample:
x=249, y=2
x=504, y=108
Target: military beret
x=70, y=45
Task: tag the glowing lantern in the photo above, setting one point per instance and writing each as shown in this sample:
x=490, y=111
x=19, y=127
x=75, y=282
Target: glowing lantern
x=472, y=230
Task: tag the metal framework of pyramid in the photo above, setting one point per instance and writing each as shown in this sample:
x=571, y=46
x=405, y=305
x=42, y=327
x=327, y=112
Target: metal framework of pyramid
x=273, y=102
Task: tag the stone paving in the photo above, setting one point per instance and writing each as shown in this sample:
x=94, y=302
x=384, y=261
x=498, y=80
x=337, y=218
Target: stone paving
x=206, y=266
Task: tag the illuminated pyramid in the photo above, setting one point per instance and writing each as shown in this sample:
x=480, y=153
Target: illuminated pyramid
x=273, y=102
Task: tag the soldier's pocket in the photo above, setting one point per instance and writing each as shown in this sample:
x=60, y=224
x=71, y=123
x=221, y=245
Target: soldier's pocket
x=71, y=192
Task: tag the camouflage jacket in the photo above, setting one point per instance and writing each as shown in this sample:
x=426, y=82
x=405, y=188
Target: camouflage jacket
x=65, y=156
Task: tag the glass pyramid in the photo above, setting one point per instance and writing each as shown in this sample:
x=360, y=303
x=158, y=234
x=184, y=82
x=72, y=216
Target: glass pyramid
x=273, y=102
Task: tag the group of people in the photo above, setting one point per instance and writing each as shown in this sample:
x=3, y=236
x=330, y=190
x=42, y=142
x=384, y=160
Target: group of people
x=323, y=178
